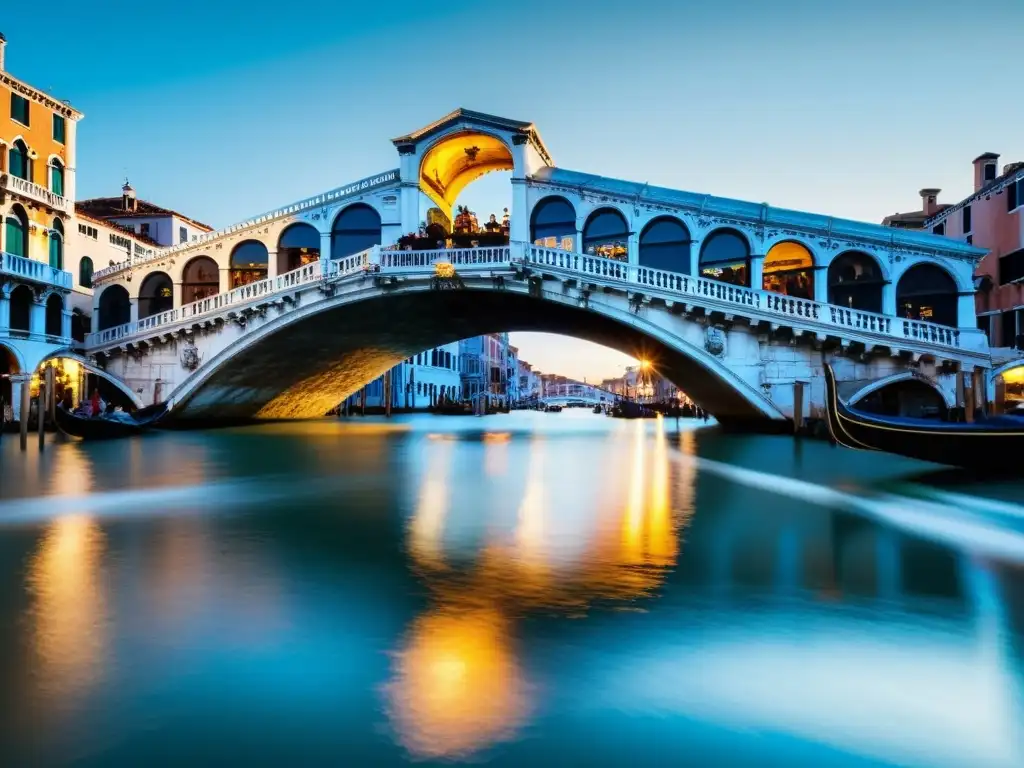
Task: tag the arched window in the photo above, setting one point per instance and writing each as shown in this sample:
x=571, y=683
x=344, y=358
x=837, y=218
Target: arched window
x=433, y=357
x=16, y=234
x=789, y=270
x=115, y=308
x=665, y=244
x=57, y=177
x=85, y=272
x=927, y=292
x=299, y=245
x=356, y=229
x=54, y=315
x=248, y=263
x=606, y=234
x=156, y=294
x=855, y=281
x=725, y=256
x=200, y=279
x=21, y=308
x=553, y=223
x=57, y=245
x=18, y=162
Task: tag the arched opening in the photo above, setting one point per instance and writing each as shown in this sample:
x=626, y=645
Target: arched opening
x=81, y=325
x=8, y=368
x=156, y=294
x=115, y=308
x=665, y=244
x=725, y=256
x=57, y=177
x=1011, y=382
x=927, y=292
x=553, y=224
x=57, y=245
x=200, y=279
x=18, y=162
x=355, y=229
x=85, y=269
x=21, y=308
x=16, y=232
x=606, y=234
x=789, y=270
x=456, y=161
x=54, y=315
x=249, y=262
x=855, y=281
x=299, y=245
x=910, y=397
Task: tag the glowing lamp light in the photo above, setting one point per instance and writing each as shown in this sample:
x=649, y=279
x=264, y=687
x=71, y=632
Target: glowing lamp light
x=444, y=269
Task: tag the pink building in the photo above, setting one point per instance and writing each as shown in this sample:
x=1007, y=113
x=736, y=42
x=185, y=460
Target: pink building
x=990, y=217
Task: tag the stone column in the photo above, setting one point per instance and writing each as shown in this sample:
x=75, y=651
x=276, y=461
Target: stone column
x=633, y=248
x=889, y=300
x=5, y=303
x=757, y=271
x=966, y=312
x=65, y=324
x=519, y=213
x=179, y=298
x=225, y=279
x=272, y=269
x=695, y=258
x=134, y=315
x=325, y=246
x=37, y=317
x=821, y=284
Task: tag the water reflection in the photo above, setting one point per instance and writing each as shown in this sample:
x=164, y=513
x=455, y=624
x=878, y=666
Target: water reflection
x=457, y=687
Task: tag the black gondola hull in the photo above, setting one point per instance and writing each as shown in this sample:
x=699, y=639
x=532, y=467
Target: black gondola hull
x=995, y=444
x=109, y=429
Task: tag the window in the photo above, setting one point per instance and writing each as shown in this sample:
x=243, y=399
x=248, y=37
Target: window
x=990, y=171
x=1008, y=328
x=19, y=109
x=18, y=163
x=57, y=178
x=57, y=245
x=182, y=234
x=144, y=229
x=1011, y=195
x=970, y=239
x=59, y=128
x=967, y=219
x=1011, y=267
x=88, y=231
x=939, y=229
x=85, y=272
x=121, y=242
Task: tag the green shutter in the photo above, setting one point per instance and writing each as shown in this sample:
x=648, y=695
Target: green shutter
x=59, y=128
x=14, y=241
x=56, y=252
x=57, y=180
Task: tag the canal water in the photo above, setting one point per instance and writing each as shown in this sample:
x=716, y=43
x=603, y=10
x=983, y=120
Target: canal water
x=525, y=589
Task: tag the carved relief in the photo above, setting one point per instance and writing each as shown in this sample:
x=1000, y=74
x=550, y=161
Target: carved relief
x=714, y=341
x=190, y=357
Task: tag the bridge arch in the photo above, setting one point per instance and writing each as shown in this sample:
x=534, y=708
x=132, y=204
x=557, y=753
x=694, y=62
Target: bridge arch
x=156, y=294
x=665, y=243
x=552, y=220
x=606, y=234
x=927, y=291
x=114, y=307
x=788, y=269
x=725, y=256
x=248, y=262
x=356, y=227
x=305, y=362
x=948, y=398
x=855, y=280
x=200, y=279
x=299, y=244
x=94, y=369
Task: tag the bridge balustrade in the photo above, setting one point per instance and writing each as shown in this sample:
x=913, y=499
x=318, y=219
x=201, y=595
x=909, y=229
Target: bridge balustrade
x=499, y=256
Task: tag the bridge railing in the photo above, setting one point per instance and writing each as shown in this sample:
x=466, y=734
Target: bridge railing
x=786, y=308
x=405, y=261
x=243, y=294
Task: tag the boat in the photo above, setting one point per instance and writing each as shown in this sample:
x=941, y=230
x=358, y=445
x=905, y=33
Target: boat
x=597, y=409
x=107, y=428
x=994, y=443
x=553, y=409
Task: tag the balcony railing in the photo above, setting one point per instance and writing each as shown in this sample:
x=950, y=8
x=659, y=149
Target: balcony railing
x=34, y=192
x=34, y=271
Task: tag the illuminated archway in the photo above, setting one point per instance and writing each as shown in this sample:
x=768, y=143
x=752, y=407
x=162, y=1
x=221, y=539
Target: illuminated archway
x=789, y=270
x=927, y=292
x=455, y=161
x=725, y=256
x=298, y=245
x=855, y=280
x=200, y=279
x=156, y=294
x=115, y=308
x=248, y=263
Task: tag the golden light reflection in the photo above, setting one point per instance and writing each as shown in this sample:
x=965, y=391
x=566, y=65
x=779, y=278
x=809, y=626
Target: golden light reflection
x=69, y=615
x=457, y=686
x=73, y=475
x=427, y=526
x=496, y=453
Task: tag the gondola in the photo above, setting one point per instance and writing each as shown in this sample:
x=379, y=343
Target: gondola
x=103, y=428
x=994, y=443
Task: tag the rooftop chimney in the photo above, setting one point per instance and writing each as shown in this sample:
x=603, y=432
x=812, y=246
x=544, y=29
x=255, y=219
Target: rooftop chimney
x=985, y=170
x=128, y=197
x=930, y=201
x=3, y=44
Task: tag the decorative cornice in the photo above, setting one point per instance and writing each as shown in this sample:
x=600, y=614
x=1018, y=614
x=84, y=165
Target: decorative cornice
x=992, y=189
x=38, y=96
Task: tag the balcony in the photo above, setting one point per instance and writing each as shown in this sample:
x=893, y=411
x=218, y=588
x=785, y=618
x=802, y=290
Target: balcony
x=34, y=193
x=29, y=271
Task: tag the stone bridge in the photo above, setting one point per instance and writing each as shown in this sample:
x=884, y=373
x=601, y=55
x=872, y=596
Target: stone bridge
x=737, y=303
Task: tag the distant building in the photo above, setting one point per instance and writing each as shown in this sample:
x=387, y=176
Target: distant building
x=159, y=225
x=423, y=381
x=529, y=382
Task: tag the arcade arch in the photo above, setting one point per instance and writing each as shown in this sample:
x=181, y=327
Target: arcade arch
x=115, y=308
x=54, y=315
x=458, y=159
x=156, y=294
x=248, y=262
x=725, y=256
x=200, y=279
x=665, y=244
x=606, y=234
x=21, y=301
x=356, y=228
x=855, y=281
x=927, y=292
x=298, y=245
x=553, y=223
x=789, y=269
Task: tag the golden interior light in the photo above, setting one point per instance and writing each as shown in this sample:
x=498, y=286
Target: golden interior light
x=449, y=166
x=444, y=269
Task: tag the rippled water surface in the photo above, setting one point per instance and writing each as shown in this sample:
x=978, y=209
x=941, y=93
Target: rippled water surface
x=529, y=589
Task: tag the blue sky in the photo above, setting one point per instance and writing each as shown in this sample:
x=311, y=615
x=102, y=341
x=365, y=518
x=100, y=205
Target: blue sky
x=845, y=109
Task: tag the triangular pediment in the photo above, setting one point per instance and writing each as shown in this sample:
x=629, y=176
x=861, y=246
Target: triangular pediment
x=470, y=120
